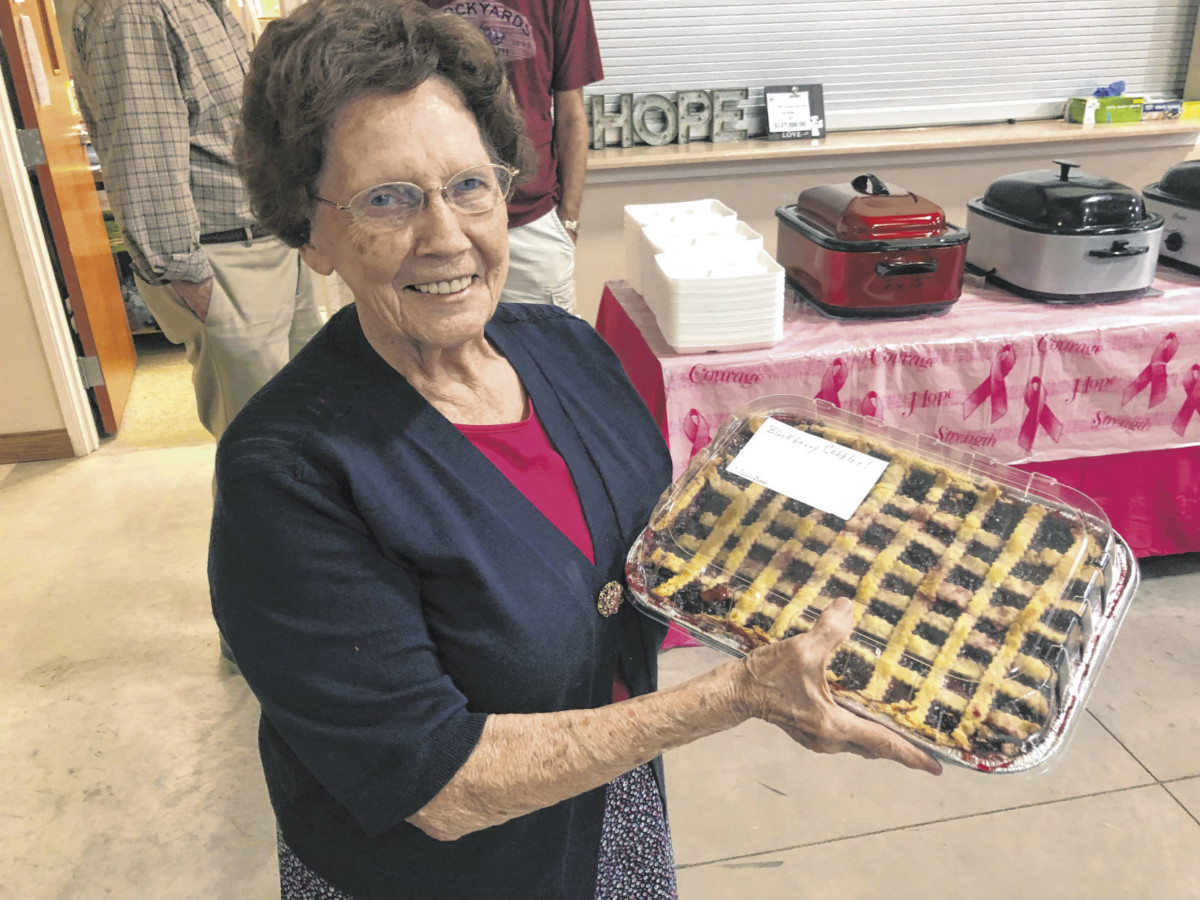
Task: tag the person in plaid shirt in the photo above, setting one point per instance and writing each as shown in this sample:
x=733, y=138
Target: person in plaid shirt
x=159, y=84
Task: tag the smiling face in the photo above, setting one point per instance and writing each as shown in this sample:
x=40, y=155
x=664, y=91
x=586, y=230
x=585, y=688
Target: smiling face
x=432, y=282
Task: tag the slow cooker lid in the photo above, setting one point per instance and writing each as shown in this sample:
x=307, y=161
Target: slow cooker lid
x=1183, y=181
x=867, y=209
x=1063, y=201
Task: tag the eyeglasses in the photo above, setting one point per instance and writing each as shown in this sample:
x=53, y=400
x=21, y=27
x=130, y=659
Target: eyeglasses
x=474, y=190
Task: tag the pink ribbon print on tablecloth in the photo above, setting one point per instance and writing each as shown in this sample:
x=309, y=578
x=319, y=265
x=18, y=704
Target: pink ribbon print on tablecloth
x=696, y=430
x=869, y=405
x=993, y=386
x=1191, y=402
x=1155, y=373
x=1039, y=414
x=832, y=382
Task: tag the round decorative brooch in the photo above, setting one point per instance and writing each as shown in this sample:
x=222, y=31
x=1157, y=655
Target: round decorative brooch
x=610, y=599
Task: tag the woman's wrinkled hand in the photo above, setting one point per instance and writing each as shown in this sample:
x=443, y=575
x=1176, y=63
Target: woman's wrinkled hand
x=785, y=684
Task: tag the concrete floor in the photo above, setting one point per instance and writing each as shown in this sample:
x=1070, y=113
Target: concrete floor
x=131, y=770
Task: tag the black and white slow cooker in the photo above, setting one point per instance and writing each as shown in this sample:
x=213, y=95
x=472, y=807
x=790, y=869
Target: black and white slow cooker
x=1063, y=237
x=1177, y=199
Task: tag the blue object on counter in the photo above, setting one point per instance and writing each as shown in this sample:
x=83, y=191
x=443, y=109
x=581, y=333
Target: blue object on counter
x=1116, y=89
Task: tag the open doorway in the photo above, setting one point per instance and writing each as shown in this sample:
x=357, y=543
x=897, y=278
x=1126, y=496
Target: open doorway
x=162, y=404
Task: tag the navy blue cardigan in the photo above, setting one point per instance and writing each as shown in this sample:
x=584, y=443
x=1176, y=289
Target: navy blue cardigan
x=384, y=589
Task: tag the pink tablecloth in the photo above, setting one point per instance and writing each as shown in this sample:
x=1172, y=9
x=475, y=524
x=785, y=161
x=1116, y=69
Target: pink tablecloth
x=1103, y=398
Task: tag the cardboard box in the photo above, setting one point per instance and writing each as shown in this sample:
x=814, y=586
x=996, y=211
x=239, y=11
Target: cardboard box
x=1171, y=109
x=1104, y=110
x=1162, y=109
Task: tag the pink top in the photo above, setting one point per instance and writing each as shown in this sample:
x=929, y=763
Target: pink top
x=524, y=455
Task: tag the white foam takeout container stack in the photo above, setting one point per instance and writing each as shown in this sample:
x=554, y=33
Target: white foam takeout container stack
x=704, y=275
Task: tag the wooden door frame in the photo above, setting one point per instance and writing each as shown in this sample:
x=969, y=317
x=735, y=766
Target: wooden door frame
x=34, y=259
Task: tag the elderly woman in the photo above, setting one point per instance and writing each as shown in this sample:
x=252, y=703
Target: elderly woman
x=416, y=518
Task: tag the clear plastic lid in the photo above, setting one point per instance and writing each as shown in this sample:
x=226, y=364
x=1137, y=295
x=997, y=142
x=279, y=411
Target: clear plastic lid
x=985, y=597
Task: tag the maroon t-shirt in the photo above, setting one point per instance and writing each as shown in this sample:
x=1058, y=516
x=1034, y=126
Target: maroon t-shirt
x=547, y=46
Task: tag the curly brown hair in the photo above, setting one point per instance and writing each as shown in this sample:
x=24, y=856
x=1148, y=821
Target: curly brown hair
x=308, y=65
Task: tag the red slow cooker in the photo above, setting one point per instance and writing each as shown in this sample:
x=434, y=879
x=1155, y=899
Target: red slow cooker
x=867, y=249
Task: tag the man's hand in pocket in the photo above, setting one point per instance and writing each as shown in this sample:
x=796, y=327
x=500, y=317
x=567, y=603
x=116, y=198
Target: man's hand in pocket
x=196, y=296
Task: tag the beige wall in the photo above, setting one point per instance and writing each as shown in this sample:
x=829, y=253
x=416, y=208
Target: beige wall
x=28, y=401
x=754, y=190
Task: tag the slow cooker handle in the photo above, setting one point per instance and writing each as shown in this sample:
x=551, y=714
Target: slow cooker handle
x=1065, y=167
x=884, y=269
x=863, y=182
x=1119, y=249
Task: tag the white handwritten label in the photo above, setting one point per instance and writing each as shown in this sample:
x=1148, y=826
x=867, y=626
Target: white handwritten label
x=800, y=465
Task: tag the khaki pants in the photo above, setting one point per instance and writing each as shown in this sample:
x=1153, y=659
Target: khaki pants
x=541, y=263
x=263, y=310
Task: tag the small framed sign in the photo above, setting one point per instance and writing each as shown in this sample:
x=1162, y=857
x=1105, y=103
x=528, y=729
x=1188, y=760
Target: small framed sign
x=795, y=111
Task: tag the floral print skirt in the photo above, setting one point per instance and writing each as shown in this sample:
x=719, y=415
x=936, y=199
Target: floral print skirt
x=636, y=860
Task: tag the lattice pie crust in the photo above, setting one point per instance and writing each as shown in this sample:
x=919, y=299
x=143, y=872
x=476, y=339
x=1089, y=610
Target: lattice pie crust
x=969, y=598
